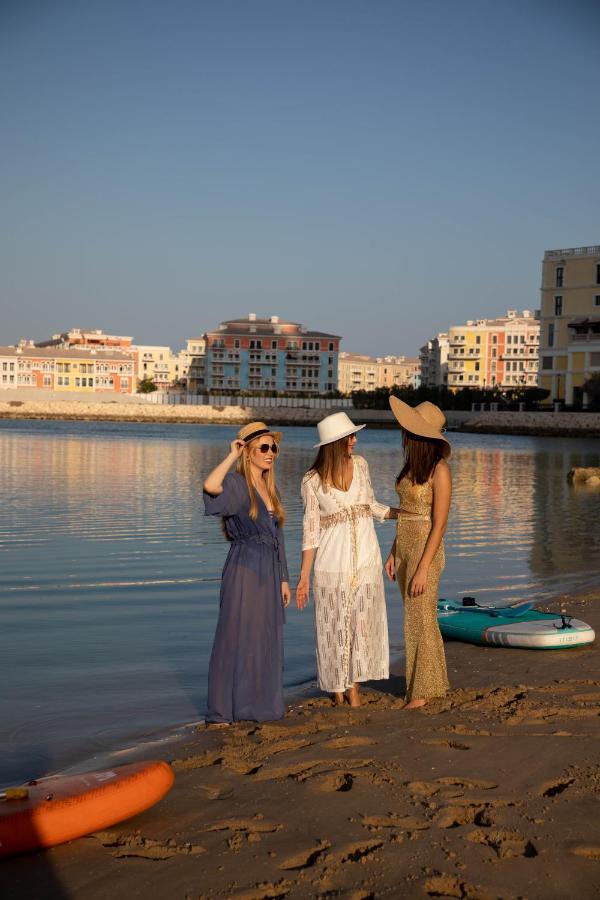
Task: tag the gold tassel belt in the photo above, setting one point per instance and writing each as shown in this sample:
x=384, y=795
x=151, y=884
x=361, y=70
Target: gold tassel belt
x=351, y=514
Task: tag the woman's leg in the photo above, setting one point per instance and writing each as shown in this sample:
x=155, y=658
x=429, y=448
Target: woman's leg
x=426, y=674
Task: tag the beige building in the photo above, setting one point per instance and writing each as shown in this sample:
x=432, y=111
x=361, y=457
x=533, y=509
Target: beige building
x=570, y=321
x=74, y=370
x=158, y=363
x=433, y=358
x=195, y=354
x=366, y=373
x=502, y=352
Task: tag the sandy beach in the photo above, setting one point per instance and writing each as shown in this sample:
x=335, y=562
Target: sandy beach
x=492, y=792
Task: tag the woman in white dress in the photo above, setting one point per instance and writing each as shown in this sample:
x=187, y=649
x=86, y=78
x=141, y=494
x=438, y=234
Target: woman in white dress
x=339, y=537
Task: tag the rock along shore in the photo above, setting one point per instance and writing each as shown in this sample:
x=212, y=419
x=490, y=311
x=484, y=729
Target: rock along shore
x=565, y=424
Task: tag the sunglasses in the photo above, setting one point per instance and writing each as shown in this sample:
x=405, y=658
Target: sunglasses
x=264, y=448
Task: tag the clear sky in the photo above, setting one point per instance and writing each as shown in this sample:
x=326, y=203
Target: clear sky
x=376, y=169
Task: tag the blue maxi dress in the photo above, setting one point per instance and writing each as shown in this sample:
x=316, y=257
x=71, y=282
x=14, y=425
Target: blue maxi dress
x=245, y=676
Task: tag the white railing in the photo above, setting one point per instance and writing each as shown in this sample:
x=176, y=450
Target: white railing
x=163, y=399
x=573, y=251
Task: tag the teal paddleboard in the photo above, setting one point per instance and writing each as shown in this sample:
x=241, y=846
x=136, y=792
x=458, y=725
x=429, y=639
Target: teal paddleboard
x=513, y=626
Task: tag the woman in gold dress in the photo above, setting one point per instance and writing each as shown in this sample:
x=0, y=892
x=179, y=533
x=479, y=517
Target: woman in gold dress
x=416, y=559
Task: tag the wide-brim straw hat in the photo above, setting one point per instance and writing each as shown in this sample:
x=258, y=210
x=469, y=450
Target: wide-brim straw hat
x=252, y=430
x=335, y=427
x=425, y=420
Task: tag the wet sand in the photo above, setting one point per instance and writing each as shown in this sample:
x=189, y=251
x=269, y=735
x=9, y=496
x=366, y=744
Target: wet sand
x=492, y=792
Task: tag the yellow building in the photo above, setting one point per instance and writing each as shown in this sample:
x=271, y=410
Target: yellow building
x=366, y=373
x=158, y=363
x=570, y=321
x=66, y=371
x=488, y=353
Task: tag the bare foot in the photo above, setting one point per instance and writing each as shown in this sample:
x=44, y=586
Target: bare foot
x=415, y=704
x=353, y=696
x=338, y=699
x=218, y=724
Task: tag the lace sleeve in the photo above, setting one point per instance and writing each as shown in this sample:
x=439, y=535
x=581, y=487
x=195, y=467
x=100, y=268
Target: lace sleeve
x=379, y=510
x=311, y=525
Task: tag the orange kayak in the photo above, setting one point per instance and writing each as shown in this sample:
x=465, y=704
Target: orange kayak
x=63, y=807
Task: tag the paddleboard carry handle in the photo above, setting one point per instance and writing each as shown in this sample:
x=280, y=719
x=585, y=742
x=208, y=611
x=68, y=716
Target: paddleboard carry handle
x=566, y=622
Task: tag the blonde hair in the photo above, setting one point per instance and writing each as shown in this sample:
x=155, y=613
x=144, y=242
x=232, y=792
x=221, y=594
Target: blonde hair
x=329, y=463
x=243, y=467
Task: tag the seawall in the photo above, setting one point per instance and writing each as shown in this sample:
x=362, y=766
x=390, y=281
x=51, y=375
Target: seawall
x=538, y=423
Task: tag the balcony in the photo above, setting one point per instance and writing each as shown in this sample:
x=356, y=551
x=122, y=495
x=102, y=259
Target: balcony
x=577, y=252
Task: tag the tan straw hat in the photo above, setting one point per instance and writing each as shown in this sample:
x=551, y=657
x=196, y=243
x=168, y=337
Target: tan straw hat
x=253, y=430
x=425, y=420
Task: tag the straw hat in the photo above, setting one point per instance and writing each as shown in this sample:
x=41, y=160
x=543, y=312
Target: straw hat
x=336, y=426
x=253, y=430
x=425, y=420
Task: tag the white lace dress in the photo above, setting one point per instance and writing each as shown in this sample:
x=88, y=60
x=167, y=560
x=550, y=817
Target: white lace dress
x=350, y=614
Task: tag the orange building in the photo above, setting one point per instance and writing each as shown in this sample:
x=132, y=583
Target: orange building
x=51, y=368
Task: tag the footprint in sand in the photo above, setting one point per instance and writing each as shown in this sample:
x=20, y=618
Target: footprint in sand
x=343, y=743
x=451, y=886
x=304, y=859
x=134, y=845
x=507, y=844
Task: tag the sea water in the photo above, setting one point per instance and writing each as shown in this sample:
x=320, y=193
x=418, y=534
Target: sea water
x=109, y=571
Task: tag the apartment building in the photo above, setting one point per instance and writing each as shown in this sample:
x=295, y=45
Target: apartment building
x=195, y=354
x=433, y=358
x=570, y=321
x=91, y=340
x=502, y=352
x=52, y=368
x=366, y=373
x=158, y=363
x=270, y=354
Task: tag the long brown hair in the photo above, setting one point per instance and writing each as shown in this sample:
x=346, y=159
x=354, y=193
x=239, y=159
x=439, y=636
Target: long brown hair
x=421, y=456
x=329, y=463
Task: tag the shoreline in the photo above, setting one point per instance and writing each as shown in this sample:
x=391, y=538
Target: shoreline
x=538, y=424
x=490, y=792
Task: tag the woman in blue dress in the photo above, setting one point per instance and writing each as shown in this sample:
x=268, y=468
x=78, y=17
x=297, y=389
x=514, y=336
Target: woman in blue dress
x=245, y=677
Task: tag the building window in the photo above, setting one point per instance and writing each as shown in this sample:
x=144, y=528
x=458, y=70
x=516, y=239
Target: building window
x=478, y=339
x=547, y=362
x=597, y=300
x=558, y=305
x=597, y=273
x=560, y=276
x=551, y=334
x=331, y=342
x=273, y=345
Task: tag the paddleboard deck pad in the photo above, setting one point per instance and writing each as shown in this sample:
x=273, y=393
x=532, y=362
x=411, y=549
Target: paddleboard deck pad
x=514, y=626
x=63, y=807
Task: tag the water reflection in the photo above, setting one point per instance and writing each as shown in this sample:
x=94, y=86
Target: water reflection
x=110, y=572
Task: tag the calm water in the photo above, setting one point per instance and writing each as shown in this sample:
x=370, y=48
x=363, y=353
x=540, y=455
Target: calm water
x=110, y=573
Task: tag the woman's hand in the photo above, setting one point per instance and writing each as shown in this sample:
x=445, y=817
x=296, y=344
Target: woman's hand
x=236, y=448
x=390, y=567
x=418, y=583
x=302, y=591
x=286, y=594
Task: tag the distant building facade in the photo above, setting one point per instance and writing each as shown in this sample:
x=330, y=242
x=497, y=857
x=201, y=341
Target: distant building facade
x=91, y=340
x=433, y=357
x=570, y=321
x=502, y=352
x=267, y=355
x=167, y=370
x=366, y=373
x=52, y=368
x=195, y=353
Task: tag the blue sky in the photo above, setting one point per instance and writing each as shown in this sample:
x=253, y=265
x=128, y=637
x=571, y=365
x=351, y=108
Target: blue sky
x=377, y=169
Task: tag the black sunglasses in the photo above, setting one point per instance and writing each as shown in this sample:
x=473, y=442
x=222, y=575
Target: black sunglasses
x=264, y=448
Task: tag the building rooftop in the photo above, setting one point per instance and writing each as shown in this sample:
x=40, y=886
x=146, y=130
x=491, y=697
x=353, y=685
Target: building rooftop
x=252, y=324
x=28, y=351
x=592, y=250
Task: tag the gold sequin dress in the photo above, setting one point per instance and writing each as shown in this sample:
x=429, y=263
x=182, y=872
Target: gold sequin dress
x=426, y=674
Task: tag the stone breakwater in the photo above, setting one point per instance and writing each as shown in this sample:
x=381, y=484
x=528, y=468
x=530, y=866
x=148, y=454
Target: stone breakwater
x=539, y=423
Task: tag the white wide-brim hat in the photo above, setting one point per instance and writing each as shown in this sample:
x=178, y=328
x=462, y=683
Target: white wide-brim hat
x=335, y=427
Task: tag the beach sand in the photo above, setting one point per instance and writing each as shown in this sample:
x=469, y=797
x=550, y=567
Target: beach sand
x=492, y=792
